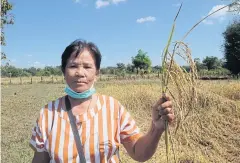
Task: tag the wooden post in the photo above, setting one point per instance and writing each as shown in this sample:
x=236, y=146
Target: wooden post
x=41, y=79
x=10, y=74
x=20, y=79
x=52, y=79
x=31, y=80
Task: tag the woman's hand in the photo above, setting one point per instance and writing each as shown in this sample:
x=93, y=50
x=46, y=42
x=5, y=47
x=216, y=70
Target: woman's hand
x=162, y=110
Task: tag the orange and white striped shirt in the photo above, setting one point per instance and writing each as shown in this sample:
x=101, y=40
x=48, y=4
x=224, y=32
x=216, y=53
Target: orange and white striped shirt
x=103, y=129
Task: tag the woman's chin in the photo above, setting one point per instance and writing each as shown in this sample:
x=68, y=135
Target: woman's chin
x=80, y=90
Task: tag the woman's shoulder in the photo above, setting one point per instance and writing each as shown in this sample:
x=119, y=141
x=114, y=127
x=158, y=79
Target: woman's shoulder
x=110, y=102
x=108, y=98
x=53, y=104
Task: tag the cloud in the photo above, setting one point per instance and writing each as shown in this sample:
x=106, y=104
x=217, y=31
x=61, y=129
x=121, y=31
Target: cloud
x=176, y=4
x=14, y=60
x=219, y=16
x=118, y=1
x=36, y=64
x=208, y=22
x=220, y=13
x=146, y=19
x=104, y=3
x=100, y=3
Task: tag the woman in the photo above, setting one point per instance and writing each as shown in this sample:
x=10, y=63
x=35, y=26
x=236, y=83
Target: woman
x=101, y=122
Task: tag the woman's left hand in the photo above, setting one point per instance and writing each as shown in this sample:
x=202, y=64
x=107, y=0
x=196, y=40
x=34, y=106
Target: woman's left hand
x=162, y=110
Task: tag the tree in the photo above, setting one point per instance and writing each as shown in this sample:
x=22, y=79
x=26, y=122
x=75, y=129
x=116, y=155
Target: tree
x=130, y=68
x=232, y=47
x=141, y=60
x=6, y=18
x=156, y=69
x=211, y=62
x=200, y=66
x=32, y=71
x=121, y=66
x=235, y=7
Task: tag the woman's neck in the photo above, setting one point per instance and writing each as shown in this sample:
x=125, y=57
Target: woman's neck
x=75, y=101
x=80, y=106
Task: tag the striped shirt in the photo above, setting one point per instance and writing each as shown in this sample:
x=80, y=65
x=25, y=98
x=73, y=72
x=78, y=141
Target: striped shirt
x=103, y=128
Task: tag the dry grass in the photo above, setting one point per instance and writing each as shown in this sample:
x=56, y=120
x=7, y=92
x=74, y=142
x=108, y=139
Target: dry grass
x=212, y=135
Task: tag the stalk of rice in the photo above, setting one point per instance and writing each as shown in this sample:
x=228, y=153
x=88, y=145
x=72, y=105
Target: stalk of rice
x=185, y=83
x=165, y=80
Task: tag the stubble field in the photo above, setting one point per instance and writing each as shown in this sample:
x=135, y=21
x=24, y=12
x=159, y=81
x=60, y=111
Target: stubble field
x=214, y=137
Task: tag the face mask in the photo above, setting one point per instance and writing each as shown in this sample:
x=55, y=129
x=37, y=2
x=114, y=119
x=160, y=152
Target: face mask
x=77, y=95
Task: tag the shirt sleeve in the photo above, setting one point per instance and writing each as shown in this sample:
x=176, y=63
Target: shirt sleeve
x=129, y=131
x=38, y=139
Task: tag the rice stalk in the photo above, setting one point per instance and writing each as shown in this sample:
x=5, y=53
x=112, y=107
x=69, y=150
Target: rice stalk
x=184, y=82
x=165, y=80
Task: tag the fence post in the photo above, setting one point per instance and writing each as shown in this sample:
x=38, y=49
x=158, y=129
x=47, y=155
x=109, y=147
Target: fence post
x=52, y=79
x=10, y=75
x=31, y=80
x=20, y=79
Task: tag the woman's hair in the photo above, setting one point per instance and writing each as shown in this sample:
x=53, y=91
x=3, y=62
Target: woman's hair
x=76, y=47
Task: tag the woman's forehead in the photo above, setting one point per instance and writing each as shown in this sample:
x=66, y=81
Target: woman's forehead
x=84, y=56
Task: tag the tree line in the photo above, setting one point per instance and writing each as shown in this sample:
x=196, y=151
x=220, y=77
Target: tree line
x=141, y=63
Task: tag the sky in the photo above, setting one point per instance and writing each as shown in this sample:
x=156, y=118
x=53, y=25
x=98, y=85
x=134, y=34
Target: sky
x=119, y=28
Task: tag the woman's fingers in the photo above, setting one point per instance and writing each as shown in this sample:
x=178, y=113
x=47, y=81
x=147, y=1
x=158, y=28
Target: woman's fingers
x=162, y=100
x=167, y=104
x=168, y=117
x=165, y=111
x=166, y=97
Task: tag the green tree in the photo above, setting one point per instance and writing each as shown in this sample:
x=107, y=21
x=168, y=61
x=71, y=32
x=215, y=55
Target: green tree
x=232, y=47
x=212, y=62
x=235, y=7
x=130, y=68
x=141, y=60
x=6, y=18
x=121, y=66
x=31, y=70
x=104, y=71
x=15, y=72
x=156, y=69
x=200, y=66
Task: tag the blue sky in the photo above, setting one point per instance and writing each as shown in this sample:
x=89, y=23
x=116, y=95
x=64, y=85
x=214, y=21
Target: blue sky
x=119, y=28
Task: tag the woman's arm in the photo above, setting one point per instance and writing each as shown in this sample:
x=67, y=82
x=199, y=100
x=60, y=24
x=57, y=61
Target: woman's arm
x=143, y=148
x=41, y=157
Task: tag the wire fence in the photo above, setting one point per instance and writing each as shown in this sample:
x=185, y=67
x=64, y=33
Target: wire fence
x=60, y=79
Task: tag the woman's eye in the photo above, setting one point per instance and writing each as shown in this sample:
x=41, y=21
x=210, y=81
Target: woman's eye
x=73, y=66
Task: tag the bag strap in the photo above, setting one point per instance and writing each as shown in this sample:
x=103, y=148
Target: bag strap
x=75, y=130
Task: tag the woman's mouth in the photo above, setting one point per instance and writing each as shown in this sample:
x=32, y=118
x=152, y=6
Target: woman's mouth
x=80, y=82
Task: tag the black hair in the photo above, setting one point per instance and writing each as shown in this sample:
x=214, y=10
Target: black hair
x=76, y=47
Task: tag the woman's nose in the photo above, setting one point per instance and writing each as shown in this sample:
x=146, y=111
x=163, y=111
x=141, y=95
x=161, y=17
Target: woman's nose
x=80, y=71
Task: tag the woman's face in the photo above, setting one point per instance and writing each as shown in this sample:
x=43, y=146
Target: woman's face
x=80, y=72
